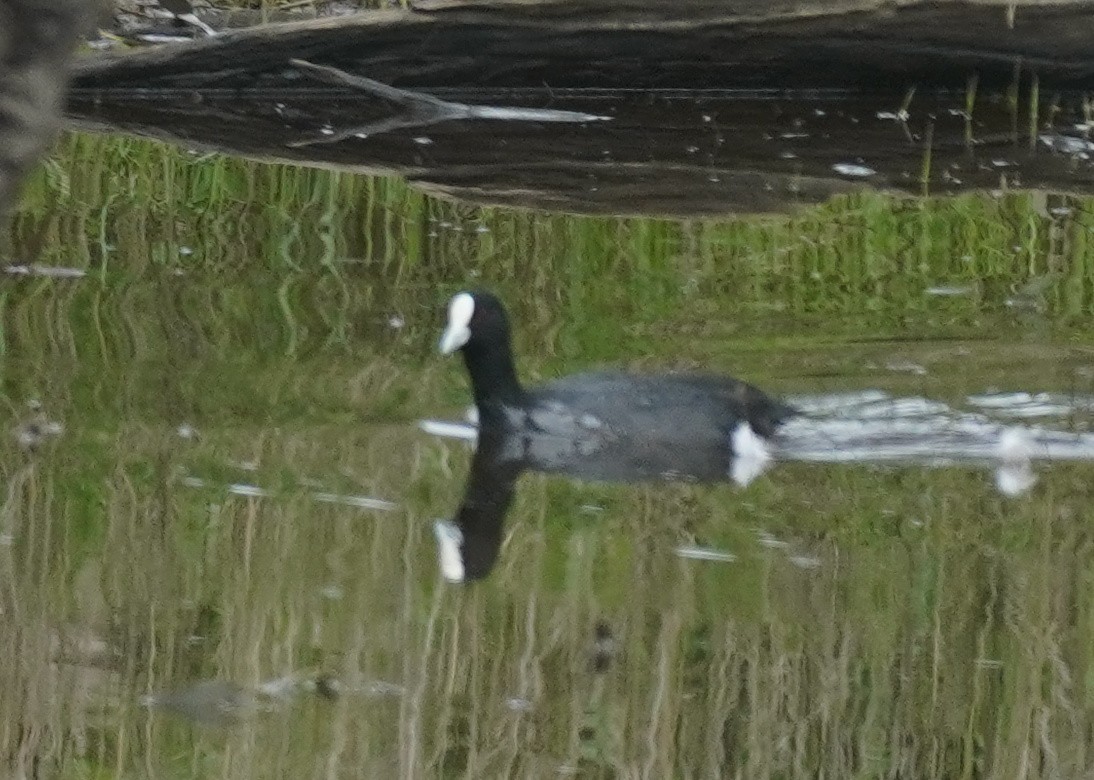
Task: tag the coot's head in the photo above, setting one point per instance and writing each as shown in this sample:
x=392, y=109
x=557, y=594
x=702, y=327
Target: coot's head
x=479, y=328
x=475, y=320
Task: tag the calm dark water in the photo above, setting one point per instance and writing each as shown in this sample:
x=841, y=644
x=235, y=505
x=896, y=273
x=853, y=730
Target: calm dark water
x=218, y=556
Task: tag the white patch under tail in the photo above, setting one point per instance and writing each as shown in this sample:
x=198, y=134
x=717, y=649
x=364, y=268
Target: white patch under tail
x=751, y=455
x=449, y=543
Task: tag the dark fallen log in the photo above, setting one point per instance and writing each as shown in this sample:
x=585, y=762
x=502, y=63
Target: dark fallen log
x=37, y=38
x=648, y=45
x=739, y=113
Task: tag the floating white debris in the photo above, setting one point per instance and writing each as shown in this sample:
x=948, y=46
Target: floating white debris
x=893, y=116
x=395, y=322
x=853, y=169
x=423, y=140
x=55, y=272
x=240, y=489
x=949, y=291
x=705, y=554
x=1066, y=144
x=518, y=704
x=186, y=431
x=362, y=502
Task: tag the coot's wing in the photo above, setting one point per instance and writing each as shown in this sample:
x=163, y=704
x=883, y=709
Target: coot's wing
x=747, y=403
x=712, y=405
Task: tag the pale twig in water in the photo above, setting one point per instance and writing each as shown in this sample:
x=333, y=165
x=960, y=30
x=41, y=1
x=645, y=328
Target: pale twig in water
x=419, y=109
x=183, y=10
x=1034, y=108
x=970, y=102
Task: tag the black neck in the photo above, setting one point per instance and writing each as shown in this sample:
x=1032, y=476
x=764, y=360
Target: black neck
x=493, y=377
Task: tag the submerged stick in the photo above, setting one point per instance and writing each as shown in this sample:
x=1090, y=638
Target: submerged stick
x=394, y=94
x=420, y=109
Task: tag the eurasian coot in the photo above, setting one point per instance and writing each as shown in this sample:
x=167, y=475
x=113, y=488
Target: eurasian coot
x=605, y=426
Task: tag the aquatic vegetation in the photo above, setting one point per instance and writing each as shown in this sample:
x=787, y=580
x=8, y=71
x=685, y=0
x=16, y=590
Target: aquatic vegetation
x=836, y=620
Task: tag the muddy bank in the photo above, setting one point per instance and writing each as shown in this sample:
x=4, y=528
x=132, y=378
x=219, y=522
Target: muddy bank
x=731, y=115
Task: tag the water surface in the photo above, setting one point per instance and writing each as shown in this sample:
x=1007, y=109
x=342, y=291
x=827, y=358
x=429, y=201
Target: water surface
x=217, y=554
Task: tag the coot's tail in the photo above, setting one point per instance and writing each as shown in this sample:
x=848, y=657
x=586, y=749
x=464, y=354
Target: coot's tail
x=766, y=415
